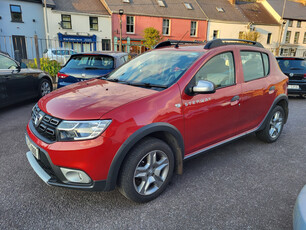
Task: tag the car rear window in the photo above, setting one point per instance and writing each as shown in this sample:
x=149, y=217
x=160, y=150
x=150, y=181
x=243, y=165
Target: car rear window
x=291, y=64
x=91, y=62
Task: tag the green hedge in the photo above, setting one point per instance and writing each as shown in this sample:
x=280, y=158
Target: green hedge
x=50, y=66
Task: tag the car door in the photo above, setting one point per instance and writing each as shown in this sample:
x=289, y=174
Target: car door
x=258, y=92
x=19, y=84
x=211, y=118
x=3, y=90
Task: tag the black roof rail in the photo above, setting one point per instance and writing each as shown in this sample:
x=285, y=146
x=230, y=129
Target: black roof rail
x=175, y=42
x=223, y=42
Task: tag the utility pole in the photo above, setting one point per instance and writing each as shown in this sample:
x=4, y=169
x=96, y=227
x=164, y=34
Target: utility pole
x=120, y=44
x=281, y=29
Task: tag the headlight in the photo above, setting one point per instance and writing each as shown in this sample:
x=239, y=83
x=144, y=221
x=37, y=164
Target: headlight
x=81, y=130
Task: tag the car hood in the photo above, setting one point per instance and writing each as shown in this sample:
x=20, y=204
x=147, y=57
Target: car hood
x=90, y=100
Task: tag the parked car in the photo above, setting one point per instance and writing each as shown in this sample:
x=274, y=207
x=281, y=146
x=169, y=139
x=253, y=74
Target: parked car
x=81, y=67
x=134, y=128
x=60, y=55
x=18, y=83
x=295, y=69
x=299, y=213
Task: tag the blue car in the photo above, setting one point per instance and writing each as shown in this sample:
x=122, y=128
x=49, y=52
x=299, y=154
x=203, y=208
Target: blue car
x=84, y=66
x=299, y=213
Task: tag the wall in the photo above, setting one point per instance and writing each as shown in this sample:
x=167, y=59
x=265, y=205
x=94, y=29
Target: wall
x=27, y=28
x=226, y=29
x=80, y=26
x=178, y=27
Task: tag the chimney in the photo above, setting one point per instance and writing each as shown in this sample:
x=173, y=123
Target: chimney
x=232, y=2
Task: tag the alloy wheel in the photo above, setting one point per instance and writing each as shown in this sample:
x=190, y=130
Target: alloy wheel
x=45, y=88
x=151, y=172
x=276, y=124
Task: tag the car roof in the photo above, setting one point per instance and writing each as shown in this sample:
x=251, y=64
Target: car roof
x=291, y=58
x=108, y=53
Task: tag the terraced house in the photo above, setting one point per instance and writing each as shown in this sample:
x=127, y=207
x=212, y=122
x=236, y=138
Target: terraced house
x=175, y=20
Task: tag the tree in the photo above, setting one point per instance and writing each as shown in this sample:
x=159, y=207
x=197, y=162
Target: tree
x=151, y=37
x=250, y=35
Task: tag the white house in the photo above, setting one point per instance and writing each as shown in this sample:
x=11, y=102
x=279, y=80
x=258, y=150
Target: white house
x=20, y=20
x=80, y=25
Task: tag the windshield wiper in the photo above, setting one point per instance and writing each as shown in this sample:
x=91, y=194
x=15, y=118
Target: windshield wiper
x=112, y=79
x=148, y=85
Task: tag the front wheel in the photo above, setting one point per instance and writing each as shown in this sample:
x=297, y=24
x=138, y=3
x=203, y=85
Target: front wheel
x=274, y=125
x=44, y=87
x=146, y=171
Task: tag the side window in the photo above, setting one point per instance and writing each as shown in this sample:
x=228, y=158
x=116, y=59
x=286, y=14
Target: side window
x=6, y=63
x=220, y=70
x=266, y=61
x=252, y=65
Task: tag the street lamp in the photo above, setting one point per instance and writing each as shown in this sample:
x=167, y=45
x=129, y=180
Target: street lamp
x=121, y=11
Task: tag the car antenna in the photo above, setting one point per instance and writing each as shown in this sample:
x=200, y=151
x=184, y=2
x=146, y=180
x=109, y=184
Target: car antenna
x=177, y=44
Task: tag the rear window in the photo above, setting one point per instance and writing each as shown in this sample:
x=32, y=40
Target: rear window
x=91, y=62
x=291, y=64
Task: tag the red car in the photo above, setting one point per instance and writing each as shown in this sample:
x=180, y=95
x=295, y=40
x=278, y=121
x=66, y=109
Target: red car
x=134, y=128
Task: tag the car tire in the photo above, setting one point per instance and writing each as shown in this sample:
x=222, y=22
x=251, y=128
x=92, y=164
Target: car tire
x=147, y=170
x=274, y=125
x=44, y=87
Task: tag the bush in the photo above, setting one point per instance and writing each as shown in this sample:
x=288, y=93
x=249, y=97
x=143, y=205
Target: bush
x=50, y=66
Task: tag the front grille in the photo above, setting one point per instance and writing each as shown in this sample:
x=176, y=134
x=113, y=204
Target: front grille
x=44, y=124
x=295, y=76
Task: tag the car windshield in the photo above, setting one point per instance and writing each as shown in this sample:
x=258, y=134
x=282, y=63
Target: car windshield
x=91, y=62
x=156, y=68
x=292, y=64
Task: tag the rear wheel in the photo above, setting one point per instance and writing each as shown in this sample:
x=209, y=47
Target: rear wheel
x=274, y=126
x=44, y=88
x=146, y=171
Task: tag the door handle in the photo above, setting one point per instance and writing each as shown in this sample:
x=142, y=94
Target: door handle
x=235, y=98
x=272, y=89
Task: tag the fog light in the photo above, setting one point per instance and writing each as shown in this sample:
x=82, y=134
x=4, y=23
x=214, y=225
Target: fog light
x=76, y=176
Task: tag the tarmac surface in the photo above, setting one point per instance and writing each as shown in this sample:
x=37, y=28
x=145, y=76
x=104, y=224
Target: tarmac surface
x=243, y=185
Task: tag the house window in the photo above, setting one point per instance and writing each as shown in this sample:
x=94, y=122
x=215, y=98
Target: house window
x=298, y=24
x=166, y=27
x=66, y=21
x=216, y=34
x=16, y=13
x=296, y=37
x=304, y=40
x=106, y=44
x=193, y=29
x=130, y=24
x=290, y=22
x=288, y=35
x=269, y=38
x=93, y=22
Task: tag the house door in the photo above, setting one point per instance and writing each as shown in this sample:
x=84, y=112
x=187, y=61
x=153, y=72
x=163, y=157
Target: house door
x=20, y=49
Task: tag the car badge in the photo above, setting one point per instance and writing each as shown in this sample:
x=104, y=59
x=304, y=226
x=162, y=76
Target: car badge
x=83, y=75
x=37, y=119
x=291, y=74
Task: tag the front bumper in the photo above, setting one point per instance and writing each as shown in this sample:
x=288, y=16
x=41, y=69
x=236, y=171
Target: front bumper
x=52, y=175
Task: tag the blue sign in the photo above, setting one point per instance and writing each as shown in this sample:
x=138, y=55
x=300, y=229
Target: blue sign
x=76, y=38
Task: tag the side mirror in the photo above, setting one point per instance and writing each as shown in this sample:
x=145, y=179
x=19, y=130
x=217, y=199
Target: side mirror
x=204, y=87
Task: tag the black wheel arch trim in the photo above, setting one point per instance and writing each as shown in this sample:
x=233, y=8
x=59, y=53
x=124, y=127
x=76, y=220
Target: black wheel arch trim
x=133, y=139
x=279, y=98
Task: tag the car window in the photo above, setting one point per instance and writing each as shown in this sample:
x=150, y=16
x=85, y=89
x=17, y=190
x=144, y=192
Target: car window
x=156, y=67
x=92, y=61
x=220, y=70
x=6, y=63
x=252, y=65
x=266, y=63
x=288, y=64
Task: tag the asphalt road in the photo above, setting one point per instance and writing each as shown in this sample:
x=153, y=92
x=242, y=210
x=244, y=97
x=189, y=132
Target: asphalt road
x=244, y=185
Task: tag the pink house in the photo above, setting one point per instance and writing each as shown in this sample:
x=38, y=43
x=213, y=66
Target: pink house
x=175, y=20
